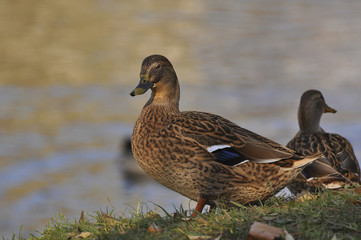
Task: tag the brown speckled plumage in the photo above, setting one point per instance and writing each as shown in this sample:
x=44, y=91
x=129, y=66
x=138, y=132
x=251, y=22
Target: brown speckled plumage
x=311, y=139
x=173, y=147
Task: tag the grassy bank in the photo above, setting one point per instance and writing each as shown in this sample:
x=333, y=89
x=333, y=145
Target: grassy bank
x=330, y=215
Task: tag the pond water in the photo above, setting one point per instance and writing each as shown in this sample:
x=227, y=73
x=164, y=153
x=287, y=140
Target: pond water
x=67, y=69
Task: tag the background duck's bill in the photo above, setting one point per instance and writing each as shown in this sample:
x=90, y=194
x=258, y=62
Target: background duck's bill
x=141, y=88
x=329, y=109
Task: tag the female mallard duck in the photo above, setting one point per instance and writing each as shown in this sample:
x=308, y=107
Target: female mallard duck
x=201, y=155
x=312, y=139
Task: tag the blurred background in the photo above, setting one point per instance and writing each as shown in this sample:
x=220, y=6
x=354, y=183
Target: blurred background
x=67, y=67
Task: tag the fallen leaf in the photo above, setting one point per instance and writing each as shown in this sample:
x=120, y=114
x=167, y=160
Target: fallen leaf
x=358, y=189
x=306, y=196
x=333, y=185
x=153, y=228
x=83, y=235
x=199, y=237
x=261, y=231
x=288, y=236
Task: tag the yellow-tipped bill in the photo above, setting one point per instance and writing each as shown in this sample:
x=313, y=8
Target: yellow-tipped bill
x=143, y=86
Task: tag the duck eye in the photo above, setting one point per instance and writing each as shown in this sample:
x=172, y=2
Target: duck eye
x=157, y=66
x=144, y=81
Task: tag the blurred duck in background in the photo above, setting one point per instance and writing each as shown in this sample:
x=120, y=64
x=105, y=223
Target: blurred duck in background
x=130, y=169
x=339, y=166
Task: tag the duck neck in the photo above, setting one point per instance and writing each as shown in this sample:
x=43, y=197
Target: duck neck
x=161, y=108
x=309, y=121
x=165, y=96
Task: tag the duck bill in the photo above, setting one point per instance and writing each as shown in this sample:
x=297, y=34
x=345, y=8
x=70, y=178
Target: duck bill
x=142, y=87
x=329, y=109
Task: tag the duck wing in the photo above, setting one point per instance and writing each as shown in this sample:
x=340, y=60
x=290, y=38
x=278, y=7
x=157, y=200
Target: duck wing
x=337, y=150
x=345, y=154
x=230, y=143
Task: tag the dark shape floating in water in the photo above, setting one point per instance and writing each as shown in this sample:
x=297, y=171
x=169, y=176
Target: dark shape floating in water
x=130, y=171
x=202, y=156
x=339, y=164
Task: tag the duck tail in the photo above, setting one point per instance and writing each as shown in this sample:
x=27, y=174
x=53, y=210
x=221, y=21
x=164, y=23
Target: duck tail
x=298, y=161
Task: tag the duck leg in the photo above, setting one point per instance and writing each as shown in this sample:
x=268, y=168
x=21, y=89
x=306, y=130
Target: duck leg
x=200, y=205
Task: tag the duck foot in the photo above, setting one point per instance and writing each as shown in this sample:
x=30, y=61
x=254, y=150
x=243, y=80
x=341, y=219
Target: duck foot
x=199, y=208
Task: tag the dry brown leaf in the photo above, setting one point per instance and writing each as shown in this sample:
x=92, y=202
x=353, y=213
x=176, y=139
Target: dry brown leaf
x=358, y=189
x=153, y=228
x=261, y=231
x=305, y=197
x=83, y=235
x=199, y=237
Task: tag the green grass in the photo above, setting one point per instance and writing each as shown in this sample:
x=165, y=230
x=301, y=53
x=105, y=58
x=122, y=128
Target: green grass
x=332, y=215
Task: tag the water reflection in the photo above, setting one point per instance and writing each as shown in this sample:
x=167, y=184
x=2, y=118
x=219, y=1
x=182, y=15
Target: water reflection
x=67, y=69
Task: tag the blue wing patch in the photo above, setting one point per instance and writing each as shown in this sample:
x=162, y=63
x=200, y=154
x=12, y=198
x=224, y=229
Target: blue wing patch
x=229, y=156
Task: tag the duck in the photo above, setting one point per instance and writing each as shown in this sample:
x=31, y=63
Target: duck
x=203, y=156
x=339, y=165
x=129, y=169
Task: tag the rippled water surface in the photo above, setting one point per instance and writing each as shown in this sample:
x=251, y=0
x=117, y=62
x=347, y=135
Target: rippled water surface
x=67, y=68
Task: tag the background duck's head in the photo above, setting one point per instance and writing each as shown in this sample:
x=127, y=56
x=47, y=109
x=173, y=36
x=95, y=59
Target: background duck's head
x=310, y=110
x=156, y=73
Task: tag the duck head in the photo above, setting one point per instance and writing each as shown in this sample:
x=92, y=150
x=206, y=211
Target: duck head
x=156, y=72
x=310, y=110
